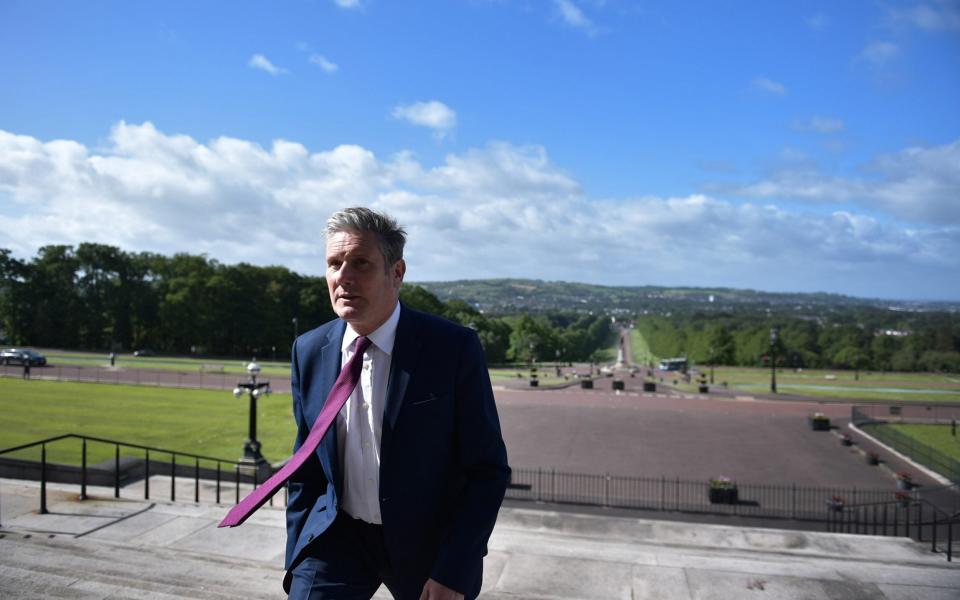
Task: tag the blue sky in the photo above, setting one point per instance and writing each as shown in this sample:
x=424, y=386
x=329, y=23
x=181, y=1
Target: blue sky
x=767, y=145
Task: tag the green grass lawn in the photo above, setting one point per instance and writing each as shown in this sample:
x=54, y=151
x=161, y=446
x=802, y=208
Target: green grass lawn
x=172, y=363
x=545, y=374
x=936, y=436
x=641, y=350
x=896, y=387
x=206, y=422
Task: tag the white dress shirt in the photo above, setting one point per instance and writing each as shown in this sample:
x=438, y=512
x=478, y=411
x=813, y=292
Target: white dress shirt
x=360, y=422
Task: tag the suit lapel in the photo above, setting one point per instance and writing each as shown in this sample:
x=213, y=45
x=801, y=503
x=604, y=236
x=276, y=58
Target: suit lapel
x=406, y=351
x=330, y=357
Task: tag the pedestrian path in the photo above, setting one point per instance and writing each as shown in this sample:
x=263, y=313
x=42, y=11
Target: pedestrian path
x=104, y=548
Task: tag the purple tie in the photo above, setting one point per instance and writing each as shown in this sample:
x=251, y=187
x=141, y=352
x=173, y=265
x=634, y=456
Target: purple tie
x=342, y=388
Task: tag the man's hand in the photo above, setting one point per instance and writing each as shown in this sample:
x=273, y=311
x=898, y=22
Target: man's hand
x=437, y=591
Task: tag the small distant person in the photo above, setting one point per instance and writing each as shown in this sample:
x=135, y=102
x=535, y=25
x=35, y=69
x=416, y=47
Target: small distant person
x=26, y=367
x=113, y=358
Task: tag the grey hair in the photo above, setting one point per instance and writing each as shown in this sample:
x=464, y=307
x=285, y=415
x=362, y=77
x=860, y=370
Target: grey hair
x=390, y=234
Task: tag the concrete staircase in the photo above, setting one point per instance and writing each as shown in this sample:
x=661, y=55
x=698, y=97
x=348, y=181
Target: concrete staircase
x=103, y=548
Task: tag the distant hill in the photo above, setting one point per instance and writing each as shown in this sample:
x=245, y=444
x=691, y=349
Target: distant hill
x=526, y=295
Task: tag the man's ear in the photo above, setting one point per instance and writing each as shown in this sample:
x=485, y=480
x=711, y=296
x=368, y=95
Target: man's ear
x=399, y=269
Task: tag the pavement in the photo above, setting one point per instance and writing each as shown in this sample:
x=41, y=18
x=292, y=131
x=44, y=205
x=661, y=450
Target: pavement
x=135, y=548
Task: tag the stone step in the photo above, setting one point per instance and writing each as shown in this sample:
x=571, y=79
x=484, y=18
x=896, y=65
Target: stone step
x=104, y=548
x=60, y=566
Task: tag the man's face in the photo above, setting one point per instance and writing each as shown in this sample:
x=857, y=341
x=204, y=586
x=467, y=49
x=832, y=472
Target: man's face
x=362, y=291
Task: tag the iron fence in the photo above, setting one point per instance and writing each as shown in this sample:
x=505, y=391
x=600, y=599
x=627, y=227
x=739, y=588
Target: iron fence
x=672, y=494
x=215, y=379
x=876, y=424
x=852, y=510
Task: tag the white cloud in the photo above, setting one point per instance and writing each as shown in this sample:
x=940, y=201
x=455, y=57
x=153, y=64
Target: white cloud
x=942, y=15
x=769, y=86
x=879, y=53
x=433, y=114
x=323, y=63
x=571, y=14
x=917, y=185
x=495, y=211
x=259, y=61
x=818, y=22
x=348, y=3
x=820, y=124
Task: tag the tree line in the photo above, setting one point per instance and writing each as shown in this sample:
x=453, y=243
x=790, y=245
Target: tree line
x=857, y=338
x=101, y=298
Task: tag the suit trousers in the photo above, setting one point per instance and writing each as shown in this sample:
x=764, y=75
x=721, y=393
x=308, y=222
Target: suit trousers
x=349, y=561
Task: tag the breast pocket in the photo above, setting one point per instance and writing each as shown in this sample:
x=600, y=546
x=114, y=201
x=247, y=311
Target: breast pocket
x=430, y=400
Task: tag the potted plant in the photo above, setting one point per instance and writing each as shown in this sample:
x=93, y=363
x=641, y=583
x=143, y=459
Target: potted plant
x=904, y=481
x=846, y=440
x=649, y=384
x=723, y=490
x=873, y=458
x=819, y=422
x=836, y=503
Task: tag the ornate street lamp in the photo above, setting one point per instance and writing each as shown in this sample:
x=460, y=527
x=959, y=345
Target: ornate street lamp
x=255, y=389
x=774, y=333
x=711, y=365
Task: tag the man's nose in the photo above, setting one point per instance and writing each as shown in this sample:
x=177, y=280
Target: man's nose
x=346, y=272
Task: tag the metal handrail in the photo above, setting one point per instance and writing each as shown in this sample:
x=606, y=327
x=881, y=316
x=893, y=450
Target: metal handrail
x=234, y=465
x=115, y=442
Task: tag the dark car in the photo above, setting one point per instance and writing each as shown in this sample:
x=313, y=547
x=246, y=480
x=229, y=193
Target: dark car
x=144, y=352
x=19, y=356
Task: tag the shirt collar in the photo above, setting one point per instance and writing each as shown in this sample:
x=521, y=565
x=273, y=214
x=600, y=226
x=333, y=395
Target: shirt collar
x=382, y=338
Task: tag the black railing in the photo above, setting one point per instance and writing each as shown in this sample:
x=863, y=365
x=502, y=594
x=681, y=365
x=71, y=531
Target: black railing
x=830, y=508
x=851, y=510
x=876, y=424
x=915, y=518
x=144, y=468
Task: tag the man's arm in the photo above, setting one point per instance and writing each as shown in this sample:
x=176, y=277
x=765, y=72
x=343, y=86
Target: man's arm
x=305, y=485
x=482, y=459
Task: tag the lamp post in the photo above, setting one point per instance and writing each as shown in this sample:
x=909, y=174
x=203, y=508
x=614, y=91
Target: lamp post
x=774, y=333
x=255, y=389
x=711, y=365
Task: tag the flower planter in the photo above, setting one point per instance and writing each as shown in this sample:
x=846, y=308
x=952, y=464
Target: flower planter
x=820, y=423
x=723, y=495
x=704, y=389
x=534, y=383
x=586, y=384
x=649, y=386
x=617, y=384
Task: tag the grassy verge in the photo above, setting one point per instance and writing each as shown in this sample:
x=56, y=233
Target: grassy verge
x=211, y=423
x=546, y=375
x=936, y=436
x=642, y=355
x=173, y=363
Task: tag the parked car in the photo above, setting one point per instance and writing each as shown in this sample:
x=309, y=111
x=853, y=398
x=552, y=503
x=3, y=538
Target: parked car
x=19, y=356
x=143, y=352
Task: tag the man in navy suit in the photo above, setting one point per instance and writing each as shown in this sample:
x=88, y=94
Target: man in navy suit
x=405, y=487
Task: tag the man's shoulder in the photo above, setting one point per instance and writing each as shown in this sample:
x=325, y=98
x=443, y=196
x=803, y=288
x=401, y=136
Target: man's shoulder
x=319, y=336
x=433, y=324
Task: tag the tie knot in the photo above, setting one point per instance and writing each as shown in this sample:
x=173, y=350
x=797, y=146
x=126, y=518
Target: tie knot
x=360, y=346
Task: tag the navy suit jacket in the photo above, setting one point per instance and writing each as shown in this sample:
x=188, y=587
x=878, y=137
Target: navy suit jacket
x=443, y=463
